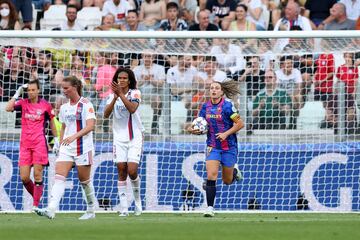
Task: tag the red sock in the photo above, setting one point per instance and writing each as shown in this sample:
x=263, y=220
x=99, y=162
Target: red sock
x=29, y=187
x=38, y=190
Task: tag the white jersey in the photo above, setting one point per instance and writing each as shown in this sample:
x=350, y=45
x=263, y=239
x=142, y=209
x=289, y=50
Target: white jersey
x=74, y=117
x=126, y=126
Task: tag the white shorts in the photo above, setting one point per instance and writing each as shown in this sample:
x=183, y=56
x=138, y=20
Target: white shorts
x=82, y=160
x=128, y=151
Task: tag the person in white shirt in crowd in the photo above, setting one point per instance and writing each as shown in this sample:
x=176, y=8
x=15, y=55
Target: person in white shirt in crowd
x=292, y=18
x=255, y=11
x=151, y=79
x=289, y=79
x=128, y=131
x=118, y=8
x=181, y=78
x=71, y=24
x=228, y=55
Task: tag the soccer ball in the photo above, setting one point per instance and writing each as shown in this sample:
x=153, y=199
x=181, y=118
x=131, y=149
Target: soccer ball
x=201, y=124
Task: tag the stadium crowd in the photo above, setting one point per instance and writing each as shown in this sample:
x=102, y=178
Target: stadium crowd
x=273, y=100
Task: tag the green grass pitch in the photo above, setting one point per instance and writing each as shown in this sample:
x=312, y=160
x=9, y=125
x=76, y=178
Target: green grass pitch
x=235, y=226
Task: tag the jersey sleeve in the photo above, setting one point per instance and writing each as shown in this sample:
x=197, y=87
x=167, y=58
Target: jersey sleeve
x=202, y=112
x=109, y=99
x=89, y=111
x=61, y=114
x=49, y=111
x=135, y=96
x=231, y=111
x=18, y=105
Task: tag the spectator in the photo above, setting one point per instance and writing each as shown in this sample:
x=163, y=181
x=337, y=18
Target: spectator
x=118, y=8
x=349, y=74
x=172, y=23
x=352, y=8
x=187, y=9
x=319, y=10
x=241, y=23
x=292, y=18
x=132, y=22
x=13, y=78
x=181, y=79
x=42, y=5
x=255, y=11
x=228, y=55
x=71, y=24
x=104, y=75
x=108, y=23
x=271, y=105
x=152, y=12
x=49, y=77
x=253, y=76
x=290, y=80
x=9, y=19
x=323, y=88
x=151, y=78
x=223, y=12
x=204, y=23
x=340, y=20
x=25, y=7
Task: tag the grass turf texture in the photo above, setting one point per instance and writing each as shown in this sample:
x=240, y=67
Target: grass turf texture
x=235, y=226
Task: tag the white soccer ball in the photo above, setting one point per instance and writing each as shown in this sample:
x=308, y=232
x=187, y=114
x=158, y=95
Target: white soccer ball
x=201, y=124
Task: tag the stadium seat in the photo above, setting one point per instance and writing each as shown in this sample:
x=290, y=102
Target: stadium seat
x=311, y=115
x=89, y=17
x=7, y=119
x=53, y=17
x=55, y=12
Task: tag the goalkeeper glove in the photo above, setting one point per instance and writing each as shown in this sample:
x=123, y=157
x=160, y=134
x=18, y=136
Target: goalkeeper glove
x=20, y=91
x=56, y=146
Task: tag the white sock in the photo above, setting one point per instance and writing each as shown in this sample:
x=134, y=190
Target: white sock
x=57, y=192
x=122, y=195
x=88, y=188
x=135, y=184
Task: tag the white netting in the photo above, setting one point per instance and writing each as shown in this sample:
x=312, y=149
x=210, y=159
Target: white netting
x=299, y=148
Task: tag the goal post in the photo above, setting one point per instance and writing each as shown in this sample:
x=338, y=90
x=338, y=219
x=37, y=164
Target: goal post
x=298, y=151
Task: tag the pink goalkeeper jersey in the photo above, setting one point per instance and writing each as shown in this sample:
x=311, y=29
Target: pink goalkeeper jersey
x=33, y=119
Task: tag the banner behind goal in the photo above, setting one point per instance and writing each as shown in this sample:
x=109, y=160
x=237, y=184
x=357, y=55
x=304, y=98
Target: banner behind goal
x=299, y=149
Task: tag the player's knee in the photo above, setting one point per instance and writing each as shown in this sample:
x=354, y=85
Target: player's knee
x=25, y=179
x=227, y=181
x=133, y=174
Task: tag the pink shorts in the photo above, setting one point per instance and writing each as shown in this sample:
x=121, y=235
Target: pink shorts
x=37, y=154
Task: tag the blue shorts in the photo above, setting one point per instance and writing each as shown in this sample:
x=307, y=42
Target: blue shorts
x=227, y=158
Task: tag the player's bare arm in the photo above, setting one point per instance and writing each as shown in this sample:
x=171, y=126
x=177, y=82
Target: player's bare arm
x=90, y=126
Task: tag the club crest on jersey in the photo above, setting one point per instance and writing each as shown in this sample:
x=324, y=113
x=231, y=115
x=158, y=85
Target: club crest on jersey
x=38, y=112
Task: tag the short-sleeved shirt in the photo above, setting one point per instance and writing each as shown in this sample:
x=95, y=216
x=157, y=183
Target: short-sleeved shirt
x=181, y=25
x=325, y=65
x=126, y=125
x=33, y=118
x=348, y=75
x=120, y=11
x=268, y=113
x=288, y=82
x=220, y=119
x=346, y=25
x=210, y=27
x=221, y=10
x=74, y=117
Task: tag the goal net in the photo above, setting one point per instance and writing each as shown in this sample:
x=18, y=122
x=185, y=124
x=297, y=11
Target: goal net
x=299, y=148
